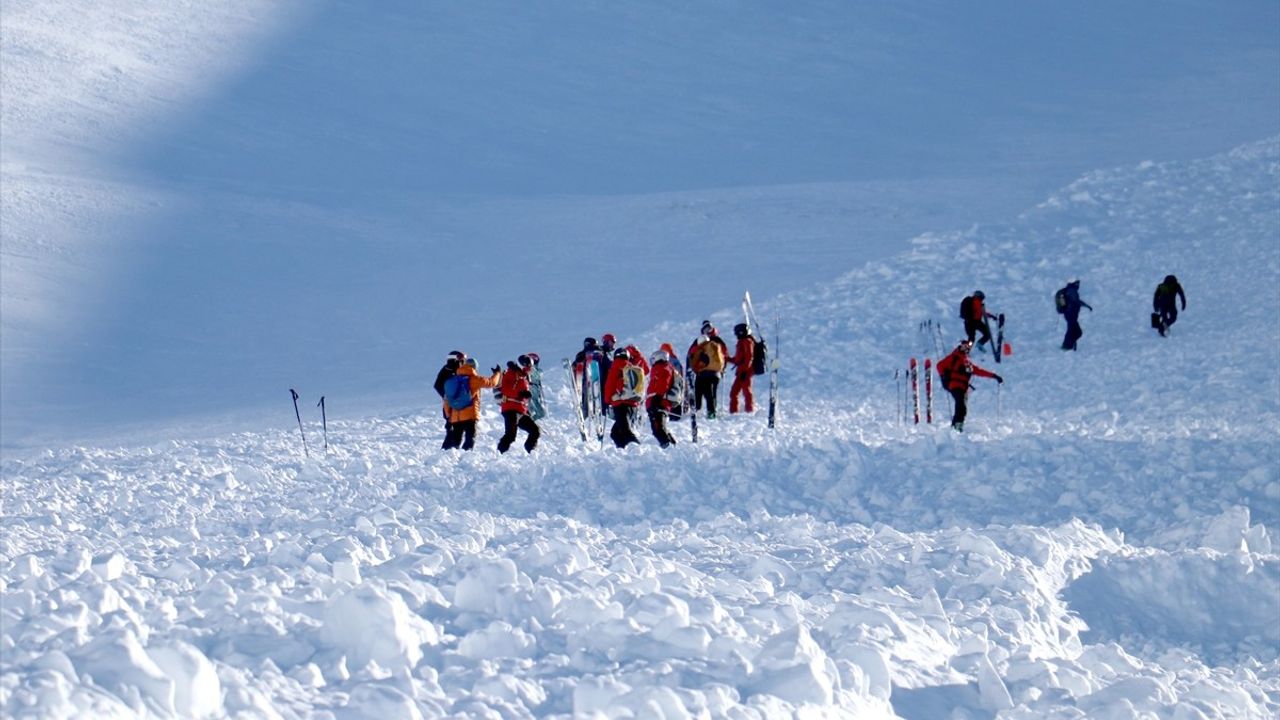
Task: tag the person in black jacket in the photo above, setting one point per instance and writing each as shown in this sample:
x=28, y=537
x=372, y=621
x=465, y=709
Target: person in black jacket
x=1165, y=303
x=451, y=364
x=1070, y=309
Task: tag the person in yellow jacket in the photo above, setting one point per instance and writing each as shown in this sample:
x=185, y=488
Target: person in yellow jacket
x=706, y=357
x=462, y=403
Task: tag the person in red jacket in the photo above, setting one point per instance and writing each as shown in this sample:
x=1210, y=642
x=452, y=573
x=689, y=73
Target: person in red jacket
x=976, y=322
x=625, y=389
x=744, y=354
x=661, y=376
x=516, y=395
x=956, y=369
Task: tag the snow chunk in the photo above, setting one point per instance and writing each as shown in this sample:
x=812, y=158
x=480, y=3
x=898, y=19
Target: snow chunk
x=373, y=625
x=118, y=661
x=197, y=690
x=792, y=667
x=498, y=640
x=479, y=590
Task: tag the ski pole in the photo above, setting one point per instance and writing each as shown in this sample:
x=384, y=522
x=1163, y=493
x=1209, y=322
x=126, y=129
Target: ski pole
x=897, y=381
x=324, y=422
x=298, y=415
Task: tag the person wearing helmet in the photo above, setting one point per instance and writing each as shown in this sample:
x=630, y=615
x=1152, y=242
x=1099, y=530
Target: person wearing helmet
x=744, y=354
x=608, y=347
x=529, y=362
x=1165, y=303
x=1069, y=306
x=452, y=362
x=589, y=354
x=461, y=426
x=706, y=358
x=516, y=398
x=975, y=320
x=662, y=378
x=956, y=370
x=624, y=389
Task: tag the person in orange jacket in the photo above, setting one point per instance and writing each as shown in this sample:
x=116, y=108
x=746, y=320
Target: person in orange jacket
x=625, y=389
x=956, y=369
x=461, y=430
x=744, y=355
x=661, y=377
x=517, y=393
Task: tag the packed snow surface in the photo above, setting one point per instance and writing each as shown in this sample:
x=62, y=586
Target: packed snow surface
x=206, y=204
x=1098, y=543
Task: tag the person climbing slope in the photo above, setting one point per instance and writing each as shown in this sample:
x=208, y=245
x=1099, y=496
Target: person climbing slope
x=956, y=370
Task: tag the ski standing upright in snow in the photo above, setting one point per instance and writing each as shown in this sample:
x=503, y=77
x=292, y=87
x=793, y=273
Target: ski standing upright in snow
x=763, y=353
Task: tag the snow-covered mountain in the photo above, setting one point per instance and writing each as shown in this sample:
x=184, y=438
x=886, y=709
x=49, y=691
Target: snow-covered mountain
x=205, y=206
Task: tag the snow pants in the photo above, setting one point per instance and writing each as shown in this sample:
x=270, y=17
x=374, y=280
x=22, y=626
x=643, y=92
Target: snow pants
x=961, y=396
x=1074, y=332
x=621, y=432
x=741, y=386
x=973, y=327
x=1168, y=316
x=513, y=420
x=658, y=424
x=460, y=434
x=705, y=387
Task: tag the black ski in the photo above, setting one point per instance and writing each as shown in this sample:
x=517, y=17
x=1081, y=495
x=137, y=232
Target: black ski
x=999, y=340
x=689, y=398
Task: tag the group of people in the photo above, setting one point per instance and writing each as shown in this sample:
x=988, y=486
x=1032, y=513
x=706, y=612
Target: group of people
x=626, y=381
x=957, y=368
x=659, y=384
x=519, y=393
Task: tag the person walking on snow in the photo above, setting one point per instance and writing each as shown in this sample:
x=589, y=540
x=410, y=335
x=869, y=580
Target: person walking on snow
x=1165, y=303
x=1069, y=303
x=461, y=428
x=706, y=358
x=662, y=377
x=975, y=320
x=743, y=360
x=450, y=368
x=625, y=389
x=516, y=398
x=955, y=370
x=590, y=353
x=608, y=344
x=531, y=363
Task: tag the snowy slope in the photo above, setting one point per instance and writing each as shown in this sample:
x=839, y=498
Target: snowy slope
x=1102, y=548
x=207, y=203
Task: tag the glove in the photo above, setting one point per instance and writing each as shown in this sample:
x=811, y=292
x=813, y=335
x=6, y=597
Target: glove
x=999, y=380
x=496, y=369
x=525, y=395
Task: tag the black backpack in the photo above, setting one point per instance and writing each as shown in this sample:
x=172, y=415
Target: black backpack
x=1060, y=301
x=966, y=307
x=760, y=358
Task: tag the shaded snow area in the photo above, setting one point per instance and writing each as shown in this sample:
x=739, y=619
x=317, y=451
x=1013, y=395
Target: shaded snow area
x=1099, y=543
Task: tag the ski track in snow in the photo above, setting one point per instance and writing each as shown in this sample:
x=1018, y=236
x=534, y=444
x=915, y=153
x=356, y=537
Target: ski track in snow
x=1100, y=548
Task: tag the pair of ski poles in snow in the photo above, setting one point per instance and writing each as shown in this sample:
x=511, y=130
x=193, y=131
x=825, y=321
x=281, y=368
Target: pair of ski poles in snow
x=324, y=422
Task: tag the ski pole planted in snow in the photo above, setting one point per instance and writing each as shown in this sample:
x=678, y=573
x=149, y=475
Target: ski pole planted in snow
x=324, y=422
x=298, y=415
x=897, y=393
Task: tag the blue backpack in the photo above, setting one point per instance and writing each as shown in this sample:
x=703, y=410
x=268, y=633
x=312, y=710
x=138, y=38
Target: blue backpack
x=457, y=392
